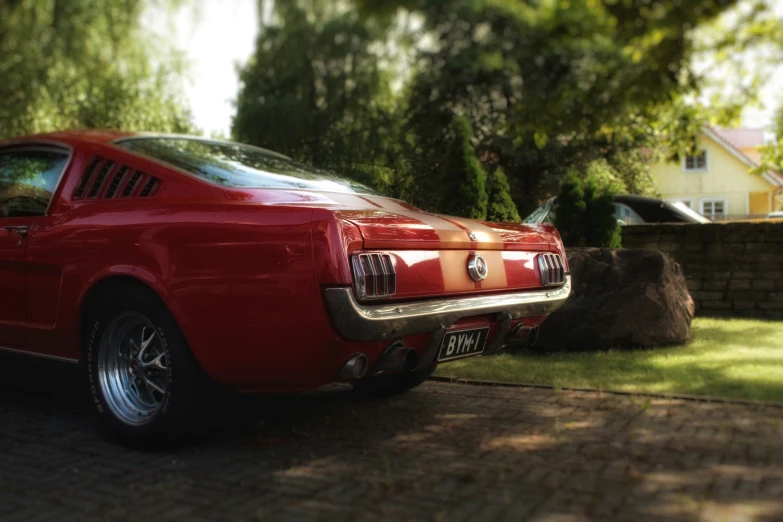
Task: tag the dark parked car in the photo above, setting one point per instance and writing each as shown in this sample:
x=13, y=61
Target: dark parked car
x=631, y=210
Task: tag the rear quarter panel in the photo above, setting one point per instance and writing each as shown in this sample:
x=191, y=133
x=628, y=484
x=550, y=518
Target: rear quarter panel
x=239, y=280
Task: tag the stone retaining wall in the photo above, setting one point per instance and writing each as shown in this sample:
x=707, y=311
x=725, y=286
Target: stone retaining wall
x=730, y=268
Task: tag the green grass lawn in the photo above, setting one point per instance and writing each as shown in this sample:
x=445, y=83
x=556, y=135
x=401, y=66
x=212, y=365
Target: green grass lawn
x=727, y=358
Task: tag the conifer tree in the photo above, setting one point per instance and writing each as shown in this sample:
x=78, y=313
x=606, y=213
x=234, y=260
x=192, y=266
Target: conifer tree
x=501, y=207
x=465, y=191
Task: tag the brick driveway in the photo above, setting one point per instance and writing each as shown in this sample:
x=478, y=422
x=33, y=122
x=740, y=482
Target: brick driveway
x=442, y=452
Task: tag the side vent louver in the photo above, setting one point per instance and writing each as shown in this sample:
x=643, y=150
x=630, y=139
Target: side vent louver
x=97, y=185
x=128, y=190
x=115, y=182
x=86, y=177
x=149, y=187
x=119, y=181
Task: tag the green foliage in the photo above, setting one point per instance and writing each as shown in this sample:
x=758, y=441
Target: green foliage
x=752, y=346
x=547, y=87
x=585, y=212
x=464, y=192
x=501, y=207
x=316, y=89
x=84, y=63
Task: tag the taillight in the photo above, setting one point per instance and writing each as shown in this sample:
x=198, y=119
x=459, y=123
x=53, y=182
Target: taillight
x=373, y=276
x=552, y=269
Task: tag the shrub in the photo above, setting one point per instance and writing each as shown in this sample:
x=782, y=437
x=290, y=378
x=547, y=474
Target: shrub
x=464, y=187
x=500, y=207
x=585, y=212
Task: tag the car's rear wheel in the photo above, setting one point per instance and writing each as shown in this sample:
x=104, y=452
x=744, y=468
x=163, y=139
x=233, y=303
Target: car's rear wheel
x=143, y=378
x=393, y=383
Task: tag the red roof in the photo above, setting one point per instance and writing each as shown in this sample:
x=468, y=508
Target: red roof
x=743, y=138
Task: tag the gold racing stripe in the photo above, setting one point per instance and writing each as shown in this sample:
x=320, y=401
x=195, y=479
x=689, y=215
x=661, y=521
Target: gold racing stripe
x=496, y=270
x=454, y=267
x=446, y=232
x=486, y=237
x=454, y=263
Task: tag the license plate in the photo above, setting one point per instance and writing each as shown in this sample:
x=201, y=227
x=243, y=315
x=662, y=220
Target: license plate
x=462, y=343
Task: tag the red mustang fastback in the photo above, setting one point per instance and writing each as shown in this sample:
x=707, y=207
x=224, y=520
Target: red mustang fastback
x=167, y=262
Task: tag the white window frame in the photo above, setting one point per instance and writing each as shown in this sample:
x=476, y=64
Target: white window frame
x=725, y=202
x=706, y=162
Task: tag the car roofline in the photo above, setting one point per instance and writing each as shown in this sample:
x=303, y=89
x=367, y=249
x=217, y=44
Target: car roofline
x=154, y=135
x=116, y=143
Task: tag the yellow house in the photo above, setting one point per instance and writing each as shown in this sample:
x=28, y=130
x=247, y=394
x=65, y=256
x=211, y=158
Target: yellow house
x=716, y=181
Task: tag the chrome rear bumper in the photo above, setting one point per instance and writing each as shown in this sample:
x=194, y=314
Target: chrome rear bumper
x=359, y=322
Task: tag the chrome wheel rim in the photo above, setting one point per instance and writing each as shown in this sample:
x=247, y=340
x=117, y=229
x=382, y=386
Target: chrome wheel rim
x=133, y=369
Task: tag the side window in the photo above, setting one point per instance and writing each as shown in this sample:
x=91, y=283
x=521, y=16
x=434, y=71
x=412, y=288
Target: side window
x=626, y=215
x=28, y=178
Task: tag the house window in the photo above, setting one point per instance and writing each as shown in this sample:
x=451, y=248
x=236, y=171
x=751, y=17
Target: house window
x=712, y=207
x=696, y=162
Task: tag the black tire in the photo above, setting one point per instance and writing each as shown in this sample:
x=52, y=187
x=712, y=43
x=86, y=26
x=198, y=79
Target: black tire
x=393, y=383
x=185, y=381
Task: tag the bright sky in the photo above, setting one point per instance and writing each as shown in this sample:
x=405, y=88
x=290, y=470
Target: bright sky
x=219, y=34
x=216, y=36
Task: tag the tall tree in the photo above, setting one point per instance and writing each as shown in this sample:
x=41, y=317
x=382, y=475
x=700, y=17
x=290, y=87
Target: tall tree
x=548, y=85
x=547, y=88
x=85, y=63
x=317, y=90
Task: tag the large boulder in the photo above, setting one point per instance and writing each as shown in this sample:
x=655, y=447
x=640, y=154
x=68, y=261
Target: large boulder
x=627, y=298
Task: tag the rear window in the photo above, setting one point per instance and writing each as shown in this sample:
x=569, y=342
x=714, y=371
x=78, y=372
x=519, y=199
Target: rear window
x=236, y=165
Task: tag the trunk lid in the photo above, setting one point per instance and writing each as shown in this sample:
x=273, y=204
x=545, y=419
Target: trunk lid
x=402, y=227
x=430, y=252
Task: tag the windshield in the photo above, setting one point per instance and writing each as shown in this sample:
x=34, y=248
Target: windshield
x=236, y=165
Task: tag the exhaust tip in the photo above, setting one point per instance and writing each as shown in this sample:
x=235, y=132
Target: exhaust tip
x=533, y=336
x=411, y=360
x=522, y=335
x=397, y=358
x=355, y=368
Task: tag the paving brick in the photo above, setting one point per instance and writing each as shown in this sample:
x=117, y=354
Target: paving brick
x=440, y=452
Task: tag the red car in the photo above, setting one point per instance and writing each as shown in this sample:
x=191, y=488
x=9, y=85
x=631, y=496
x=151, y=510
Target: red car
x=166, y=262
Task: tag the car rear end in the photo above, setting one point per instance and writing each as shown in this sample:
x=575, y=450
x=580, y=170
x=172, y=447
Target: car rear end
x=387, y=289
x=416, y=289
